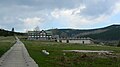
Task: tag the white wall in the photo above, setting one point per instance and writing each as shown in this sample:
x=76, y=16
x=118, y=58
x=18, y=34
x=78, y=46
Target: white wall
x=76, y=41
x=64, y=41
x=80, y=41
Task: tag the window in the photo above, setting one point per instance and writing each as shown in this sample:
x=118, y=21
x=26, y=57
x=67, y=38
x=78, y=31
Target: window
x=44, y=36
x=32, y=36
x=29, y=36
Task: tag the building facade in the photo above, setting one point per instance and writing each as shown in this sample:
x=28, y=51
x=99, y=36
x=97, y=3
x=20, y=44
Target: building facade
x=39, y=35
x=76, y=40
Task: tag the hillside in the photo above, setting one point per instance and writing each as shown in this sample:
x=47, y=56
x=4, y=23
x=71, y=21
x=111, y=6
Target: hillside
x=9, y=33
x=107, y=33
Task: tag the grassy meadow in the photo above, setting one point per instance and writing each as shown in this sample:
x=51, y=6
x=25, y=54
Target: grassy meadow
x=58, y=58
x=6, y=43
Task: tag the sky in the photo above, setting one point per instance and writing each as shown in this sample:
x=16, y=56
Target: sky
x=25, y=15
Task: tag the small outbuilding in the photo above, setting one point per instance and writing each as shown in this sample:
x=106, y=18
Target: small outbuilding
x=76, y=40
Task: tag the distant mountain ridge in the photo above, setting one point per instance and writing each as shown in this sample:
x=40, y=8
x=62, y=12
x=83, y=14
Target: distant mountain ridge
x=111, y=32
x=108, y=33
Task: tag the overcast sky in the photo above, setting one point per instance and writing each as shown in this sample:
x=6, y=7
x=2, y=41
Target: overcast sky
x=78, y=14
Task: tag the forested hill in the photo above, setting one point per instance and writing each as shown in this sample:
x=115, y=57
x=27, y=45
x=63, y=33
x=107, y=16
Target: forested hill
x=107, y=33
x=9, y=33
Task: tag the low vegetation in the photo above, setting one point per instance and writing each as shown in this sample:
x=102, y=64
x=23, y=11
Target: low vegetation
x=5, y=44
x=118, y=44
x=6, y=33
x=58, y=58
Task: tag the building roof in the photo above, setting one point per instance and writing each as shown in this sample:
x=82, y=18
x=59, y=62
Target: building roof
x=47, y=32
x=33, y=31
x=76, y=38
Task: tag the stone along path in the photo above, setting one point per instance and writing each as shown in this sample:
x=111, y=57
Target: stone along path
x=17, y=56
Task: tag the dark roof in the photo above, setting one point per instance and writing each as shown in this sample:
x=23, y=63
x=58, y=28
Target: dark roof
x=75, y=38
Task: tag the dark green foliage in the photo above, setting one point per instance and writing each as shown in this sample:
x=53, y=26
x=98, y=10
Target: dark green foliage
x=118, y=44
x=12, y=29
x=105, y=34
x=9, y=33
x=112, y=33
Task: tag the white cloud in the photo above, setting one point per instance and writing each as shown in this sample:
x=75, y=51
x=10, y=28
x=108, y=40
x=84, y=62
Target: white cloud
x=73, y=17
x=30, y=23
x=66, y=13
x=32, y=20
x=85, y=14
x=117, y=7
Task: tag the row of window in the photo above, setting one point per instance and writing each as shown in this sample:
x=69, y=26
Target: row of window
x=39, y=36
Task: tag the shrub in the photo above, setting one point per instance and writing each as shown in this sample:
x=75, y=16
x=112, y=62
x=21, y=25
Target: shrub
x=118, y=44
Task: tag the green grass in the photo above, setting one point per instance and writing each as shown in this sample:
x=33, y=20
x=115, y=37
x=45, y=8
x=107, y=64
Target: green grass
x=71, y=59
x=5, y=44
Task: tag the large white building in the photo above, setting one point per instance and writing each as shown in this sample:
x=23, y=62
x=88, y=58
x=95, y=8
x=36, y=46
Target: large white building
x=39, y=35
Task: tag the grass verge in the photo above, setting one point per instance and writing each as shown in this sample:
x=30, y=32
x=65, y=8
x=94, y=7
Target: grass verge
x=58, y=58
x=6, y=43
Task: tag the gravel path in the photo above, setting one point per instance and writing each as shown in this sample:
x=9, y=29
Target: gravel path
x=17, y=56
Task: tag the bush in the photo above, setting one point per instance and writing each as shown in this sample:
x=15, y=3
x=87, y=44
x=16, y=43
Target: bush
x=118, y=44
